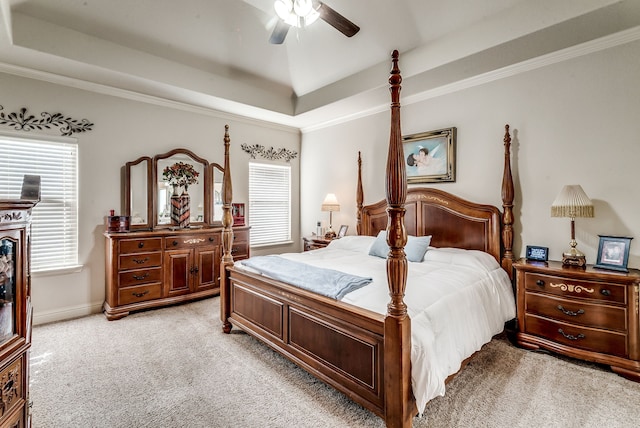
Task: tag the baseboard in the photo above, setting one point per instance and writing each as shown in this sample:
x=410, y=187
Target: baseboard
x=45, y=317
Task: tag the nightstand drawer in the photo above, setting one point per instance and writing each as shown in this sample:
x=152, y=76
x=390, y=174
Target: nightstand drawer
x=562, y=286
x=141, y=276
x=577, y=311
x=141, y=260
x=139, y=294
x=590, y=339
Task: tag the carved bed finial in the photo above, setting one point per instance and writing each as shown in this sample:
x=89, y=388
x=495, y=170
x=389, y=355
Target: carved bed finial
x=227, y=235
x=359, y=197
x=399, y=404
x=507, y=205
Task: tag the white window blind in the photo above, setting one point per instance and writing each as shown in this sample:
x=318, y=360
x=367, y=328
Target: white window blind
x=54, y=238
x=269, y=203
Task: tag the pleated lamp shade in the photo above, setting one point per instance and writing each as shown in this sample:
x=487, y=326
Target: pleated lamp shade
x=572, y=202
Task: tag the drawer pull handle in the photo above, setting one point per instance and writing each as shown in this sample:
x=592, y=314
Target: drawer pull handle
x=175, y=243
x=140, y=294
x=605, y=292
x=141, y=261
x=211, y=239
x=570, y=336
x=140, y=244
x=141, y=277
x=570, y=313
x=194, y=269
x=540, y=283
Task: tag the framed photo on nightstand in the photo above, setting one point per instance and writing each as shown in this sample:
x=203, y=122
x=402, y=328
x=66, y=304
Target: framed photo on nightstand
x=613, y=253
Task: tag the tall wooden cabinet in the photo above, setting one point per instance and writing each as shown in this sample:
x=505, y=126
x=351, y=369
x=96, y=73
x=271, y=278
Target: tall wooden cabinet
x=146, y=269
x=15, y=312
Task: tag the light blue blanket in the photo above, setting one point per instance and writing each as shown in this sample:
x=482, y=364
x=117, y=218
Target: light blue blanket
x=328, y=282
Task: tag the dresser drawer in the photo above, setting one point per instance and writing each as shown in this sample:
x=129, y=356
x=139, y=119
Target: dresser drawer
x=577, y=311
x=139, y=294
x=141, y=260
x=590, y=339
x=142, y=245
x=190, y=241
x=240, y=236
x=562, y=286
x=140, y=276
x=240, y=250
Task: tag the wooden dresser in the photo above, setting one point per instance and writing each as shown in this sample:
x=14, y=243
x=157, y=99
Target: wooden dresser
x=15, y=312
x=591, y=314
x=146, y=269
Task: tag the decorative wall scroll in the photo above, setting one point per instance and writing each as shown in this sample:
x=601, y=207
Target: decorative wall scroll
x=22, y=122
x=270, y=153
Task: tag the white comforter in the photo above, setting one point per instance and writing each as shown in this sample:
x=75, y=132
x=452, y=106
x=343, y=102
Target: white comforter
x=457, y=300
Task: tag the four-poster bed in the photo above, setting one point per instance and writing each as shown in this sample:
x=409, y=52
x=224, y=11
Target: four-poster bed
x=365, y=354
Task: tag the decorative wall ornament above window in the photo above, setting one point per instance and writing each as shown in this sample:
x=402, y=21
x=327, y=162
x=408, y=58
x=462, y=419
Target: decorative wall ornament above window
x=270, y=153
x=23, y=122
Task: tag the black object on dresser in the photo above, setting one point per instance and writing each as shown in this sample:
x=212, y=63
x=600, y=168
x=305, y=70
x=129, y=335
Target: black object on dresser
x=586, y=313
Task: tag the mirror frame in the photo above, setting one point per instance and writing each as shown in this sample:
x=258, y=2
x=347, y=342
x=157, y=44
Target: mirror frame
x=205, y=181
x=212, y=177
x=126, y=195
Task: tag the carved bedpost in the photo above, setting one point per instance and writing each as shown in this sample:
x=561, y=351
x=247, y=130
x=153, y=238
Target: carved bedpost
x=399, y=406
x=227, y=236
x=507, y=205
x=359, y=197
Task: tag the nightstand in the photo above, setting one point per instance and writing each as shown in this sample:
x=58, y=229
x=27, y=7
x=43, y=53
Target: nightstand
x=590, y=314
x=314, y=242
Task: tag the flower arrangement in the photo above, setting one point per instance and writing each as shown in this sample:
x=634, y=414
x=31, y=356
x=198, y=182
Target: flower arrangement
x=180, y=174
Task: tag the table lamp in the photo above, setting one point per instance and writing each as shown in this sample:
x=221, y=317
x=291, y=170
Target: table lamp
x=330, y=204
x=572, y=202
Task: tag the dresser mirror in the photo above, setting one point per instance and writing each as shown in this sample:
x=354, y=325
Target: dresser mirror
x=198, y=192
x=217, y=173
x=147, y=195
x=137, y=193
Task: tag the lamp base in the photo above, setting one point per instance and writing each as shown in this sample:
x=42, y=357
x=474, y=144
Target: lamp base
x=574, y=258
x=330, y=234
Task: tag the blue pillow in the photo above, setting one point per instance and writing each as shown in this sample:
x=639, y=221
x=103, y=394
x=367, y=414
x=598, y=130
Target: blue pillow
x=415, y=249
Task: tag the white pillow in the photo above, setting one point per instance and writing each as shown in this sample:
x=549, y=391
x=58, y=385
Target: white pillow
x=415, y=249
x=357, y=243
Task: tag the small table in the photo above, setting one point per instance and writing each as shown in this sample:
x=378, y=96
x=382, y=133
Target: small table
x=314, y=242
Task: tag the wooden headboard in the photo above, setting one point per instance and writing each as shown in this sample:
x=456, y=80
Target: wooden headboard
x=450, y=220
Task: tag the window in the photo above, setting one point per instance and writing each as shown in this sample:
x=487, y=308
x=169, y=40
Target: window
x=54, y=238
x=269, y=203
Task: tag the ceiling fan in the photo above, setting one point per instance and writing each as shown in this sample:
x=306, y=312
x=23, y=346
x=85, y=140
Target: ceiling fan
x=302, y=13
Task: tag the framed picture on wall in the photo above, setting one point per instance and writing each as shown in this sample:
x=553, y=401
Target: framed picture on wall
x=430, y=156
x=613, y=253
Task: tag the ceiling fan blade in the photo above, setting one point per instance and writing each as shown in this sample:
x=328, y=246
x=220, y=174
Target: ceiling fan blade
x=279, y=33
x=337, y=21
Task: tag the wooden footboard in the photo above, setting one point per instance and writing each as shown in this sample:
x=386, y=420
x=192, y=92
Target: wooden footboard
x=338, y=343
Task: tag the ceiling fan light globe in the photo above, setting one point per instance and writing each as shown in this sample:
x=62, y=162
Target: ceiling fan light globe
x=302, y=7
x=284, y=9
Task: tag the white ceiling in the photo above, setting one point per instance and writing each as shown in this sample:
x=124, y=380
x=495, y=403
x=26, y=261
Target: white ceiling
x=215, y=54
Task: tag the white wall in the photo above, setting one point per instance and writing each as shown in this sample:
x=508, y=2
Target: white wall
x=125, y=130
x=575, y=122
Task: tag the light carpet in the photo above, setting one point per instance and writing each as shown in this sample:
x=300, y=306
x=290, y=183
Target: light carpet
x=173, y=367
